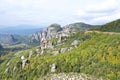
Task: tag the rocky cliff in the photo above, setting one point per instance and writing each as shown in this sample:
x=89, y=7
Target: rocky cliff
x=56, y=30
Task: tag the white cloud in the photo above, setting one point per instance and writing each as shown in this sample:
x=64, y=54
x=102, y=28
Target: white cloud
x=101, y=12
x=45, y=12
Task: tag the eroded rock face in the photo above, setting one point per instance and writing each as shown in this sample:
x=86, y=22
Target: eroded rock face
x=49, y=33
x=36, y=37
x=52, y=30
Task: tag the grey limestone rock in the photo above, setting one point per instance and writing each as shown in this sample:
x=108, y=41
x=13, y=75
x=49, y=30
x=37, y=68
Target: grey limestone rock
x=53, y=68
x=30, y=54
x=75, y=42
x=63, y=50
x=55, y=52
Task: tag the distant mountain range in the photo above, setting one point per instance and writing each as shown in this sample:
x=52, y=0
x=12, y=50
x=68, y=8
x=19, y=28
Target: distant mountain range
x=20, y=30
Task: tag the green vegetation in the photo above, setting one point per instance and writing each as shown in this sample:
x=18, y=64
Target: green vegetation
x=109, y=27
x=97, y=55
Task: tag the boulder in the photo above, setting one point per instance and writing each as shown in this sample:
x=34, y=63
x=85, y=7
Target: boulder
x=30, y=54
x=38, y=52
x=24, y=63
x=55, y=52
x=42, y=50
x=22, y=57
x=50, y=45
x=75, y=42
x=8, y=64
x=53, y=68
x=70, y=48
x=7, y=70
x=63, y=50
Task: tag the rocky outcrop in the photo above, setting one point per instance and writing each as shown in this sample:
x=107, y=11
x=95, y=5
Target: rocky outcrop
x=55, y=52
x=30, y=54
x=75, y=42
x=70, y=76
x=53, y=68
x=63, y=50
x=52, y=30
x=36, y=37
x=48, y=33
x=24, y=61
x=55, y=30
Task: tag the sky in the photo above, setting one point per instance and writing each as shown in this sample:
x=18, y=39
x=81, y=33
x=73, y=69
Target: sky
x=46, y=12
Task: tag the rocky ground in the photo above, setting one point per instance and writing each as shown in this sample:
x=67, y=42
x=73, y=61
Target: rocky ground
x=69, y=76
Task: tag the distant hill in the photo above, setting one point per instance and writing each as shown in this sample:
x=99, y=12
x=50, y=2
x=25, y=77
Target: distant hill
x=113, y=26
x=79, y=26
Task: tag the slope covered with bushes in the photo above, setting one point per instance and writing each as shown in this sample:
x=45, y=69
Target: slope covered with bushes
x=113, y=26
x=97, y=55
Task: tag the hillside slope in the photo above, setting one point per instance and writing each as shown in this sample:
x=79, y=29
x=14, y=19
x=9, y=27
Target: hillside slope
x=97, y=55
x=113, y=26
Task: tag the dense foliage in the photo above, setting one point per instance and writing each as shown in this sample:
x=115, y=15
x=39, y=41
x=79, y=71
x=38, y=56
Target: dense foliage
x=109, y=27
x=97, y=55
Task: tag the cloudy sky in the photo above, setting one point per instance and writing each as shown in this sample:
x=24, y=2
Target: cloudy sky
x=45, y=12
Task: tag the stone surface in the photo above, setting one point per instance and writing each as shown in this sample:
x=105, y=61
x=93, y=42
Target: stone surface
x=22, y=57
x=63, y=50
x=30, y=54
x=55, y=52
x=7, y=70
x=70, y=76
x=24, y=63
x=75, y=42
x=53, y=68
x=37, y=52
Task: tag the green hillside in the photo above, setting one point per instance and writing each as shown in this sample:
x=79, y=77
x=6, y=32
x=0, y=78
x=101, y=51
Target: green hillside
x=97, y=55
x=113, y=26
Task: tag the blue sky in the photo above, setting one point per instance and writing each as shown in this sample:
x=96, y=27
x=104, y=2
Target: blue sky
x=46, y=12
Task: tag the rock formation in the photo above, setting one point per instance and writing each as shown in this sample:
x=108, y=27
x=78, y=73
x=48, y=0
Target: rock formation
x=75, y=42
x=53, y=68
x=63, y=50
x=30, y=54
x=24, y=61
